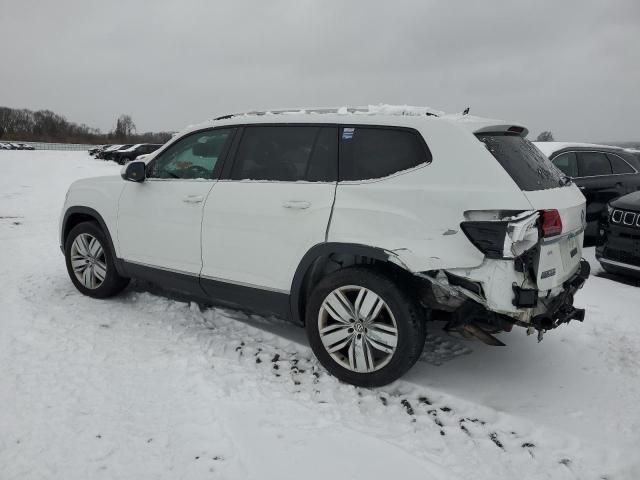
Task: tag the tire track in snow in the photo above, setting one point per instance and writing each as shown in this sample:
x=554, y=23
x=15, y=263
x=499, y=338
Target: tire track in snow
x=427, y=424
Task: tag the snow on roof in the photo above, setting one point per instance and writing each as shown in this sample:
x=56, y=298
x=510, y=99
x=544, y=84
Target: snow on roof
x=408, y=113
x=549, y=148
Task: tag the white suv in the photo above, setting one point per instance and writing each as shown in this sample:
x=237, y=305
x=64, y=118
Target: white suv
x=361, y=224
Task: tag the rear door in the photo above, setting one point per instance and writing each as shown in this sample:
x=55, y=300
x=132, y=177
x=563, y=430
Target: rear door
x=598, y=184
x=270, y=207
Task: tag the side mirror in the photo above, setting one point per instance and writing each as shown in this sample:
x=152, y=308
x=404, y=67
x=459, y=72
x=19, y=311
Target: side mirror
x=134, y=171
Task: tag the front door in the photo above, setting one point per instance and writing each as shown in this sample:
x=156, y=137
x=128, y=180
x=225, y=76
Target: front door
x=160, y=219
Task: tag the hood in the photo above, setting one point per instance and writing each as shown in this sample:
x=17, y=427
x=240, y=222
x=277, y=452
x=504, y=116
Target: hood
x=630, y=201
x=92, y=181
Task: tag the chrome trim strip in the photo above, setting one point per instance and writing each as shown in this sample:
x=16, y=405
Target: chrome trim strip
x=244, y=284
x=207, y=277
x=618, y=264
x=564, y=236
x=142, y=264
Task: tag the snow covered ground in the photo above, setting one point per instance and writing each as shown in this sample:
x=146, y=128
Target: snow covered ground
x=146, y=386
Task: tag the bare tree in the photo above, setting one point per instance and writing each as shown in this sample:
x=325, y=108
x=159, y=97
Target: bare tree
x=47, y=126
x=125, y=127
x=545, y=137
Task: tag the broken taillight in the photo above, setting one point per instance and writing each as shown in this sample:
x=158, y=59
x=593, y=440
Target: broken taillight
x=550, y=223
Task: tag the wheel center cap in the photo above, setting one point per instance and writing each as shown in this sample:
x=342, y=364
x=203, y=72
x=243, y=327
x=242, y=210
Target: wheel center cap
x=358, y=327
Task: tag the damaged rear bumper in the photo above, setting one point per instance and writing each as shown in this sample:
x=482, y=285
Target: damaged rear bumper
x=561, y=310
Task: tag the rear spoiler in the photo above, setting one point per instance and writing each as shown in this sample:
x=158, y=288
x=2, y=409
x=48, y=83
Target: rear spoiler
x=509, y=128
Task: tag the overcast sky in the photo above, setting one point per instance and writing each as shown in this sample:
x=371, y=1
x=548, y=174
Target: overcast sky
x=572, y=67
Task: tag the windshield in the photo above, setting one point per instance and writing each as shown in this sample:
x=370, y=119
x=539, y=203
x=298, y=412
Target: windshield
x=526, y=165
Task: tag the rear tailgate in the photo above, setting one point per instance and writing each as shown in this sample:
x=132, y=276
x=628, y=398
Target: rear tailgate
x=560, y=255
x=546, y=188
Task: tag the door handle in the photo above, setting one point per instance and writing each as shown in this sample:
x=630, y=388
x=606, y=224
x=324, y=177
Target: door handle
x=297, y=204
x=193, y=199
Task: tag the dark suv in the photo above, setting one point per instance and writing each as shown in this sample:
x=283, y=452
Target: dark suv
x=618, y=249
x=123, y=156
x=602, y=172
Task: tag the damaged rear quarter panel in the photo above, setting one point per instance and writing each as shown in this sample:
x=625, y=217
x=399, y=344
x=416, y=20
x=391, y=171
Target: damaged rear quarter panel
x=416, y=214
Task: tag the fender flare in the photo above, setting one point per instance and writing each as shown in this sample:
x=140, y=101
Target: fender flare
x=98, y=218
x=324, y=250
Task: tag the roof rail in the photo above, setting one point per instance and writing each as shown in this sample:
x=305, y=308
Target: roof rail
x=375, y=109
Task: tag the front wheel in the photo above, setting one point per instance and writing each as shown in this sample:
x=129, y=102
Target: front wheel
x=363, y=328
x=91, y=263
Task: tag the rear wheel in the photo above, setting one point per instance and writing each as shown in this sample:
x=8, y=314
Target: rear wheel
x=91, y=263
x=363, y=328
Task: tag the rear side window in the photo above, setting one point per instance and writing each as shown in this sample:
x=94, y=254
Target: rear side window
x=287, y=153
x=593, y=163
x=568, y=163
x=369, y=153
x=619, y=165
x=526, y=165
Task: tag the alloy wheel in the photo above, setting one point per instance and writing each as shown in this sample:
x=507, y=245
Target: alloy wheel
x=88, y=261
x=358, y=329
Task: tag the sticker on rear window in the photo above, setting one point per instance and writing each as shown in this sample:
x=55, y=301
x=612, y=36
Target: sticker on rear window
x=347, y=133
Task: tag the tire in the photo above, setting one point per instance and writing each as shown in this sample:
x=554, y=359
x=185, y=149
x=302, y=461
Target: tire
x=123, y=160
x=361, y=338
x=88, y=245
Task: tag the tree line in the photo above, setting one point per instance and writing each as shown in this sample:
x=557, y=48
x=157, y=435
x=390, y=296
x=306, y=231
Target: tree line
x=47, y=126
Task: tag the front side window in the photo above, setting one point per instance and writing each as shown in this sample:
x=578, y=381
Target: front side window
x=593, y=164
x=194, y=156
x=568, y=163
x=287, y=153
x=370, y=153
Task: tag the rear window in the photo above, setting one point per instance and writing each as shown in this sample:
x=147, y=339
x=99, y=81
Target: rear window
x=526, y=165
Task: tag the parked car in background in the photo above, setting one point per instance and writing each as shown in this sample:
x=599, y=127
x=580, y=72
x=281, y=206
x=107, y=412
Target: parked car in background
x=98, y=148
x=602, y=172
x=27, y=147
x=5, y=146
x=100, y=153
x=356, y=224
x=106, y=153
x=125, y=155
x=618, y=244
x=109, y=154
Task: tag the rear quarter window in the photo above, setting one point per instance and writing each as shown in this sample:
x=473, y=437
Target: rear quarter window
x=371, y=153
x=524, y=163
x=619, y=165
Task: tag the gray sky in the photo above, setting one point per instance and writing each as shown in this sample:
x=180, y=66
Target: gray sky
x=571, y=66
